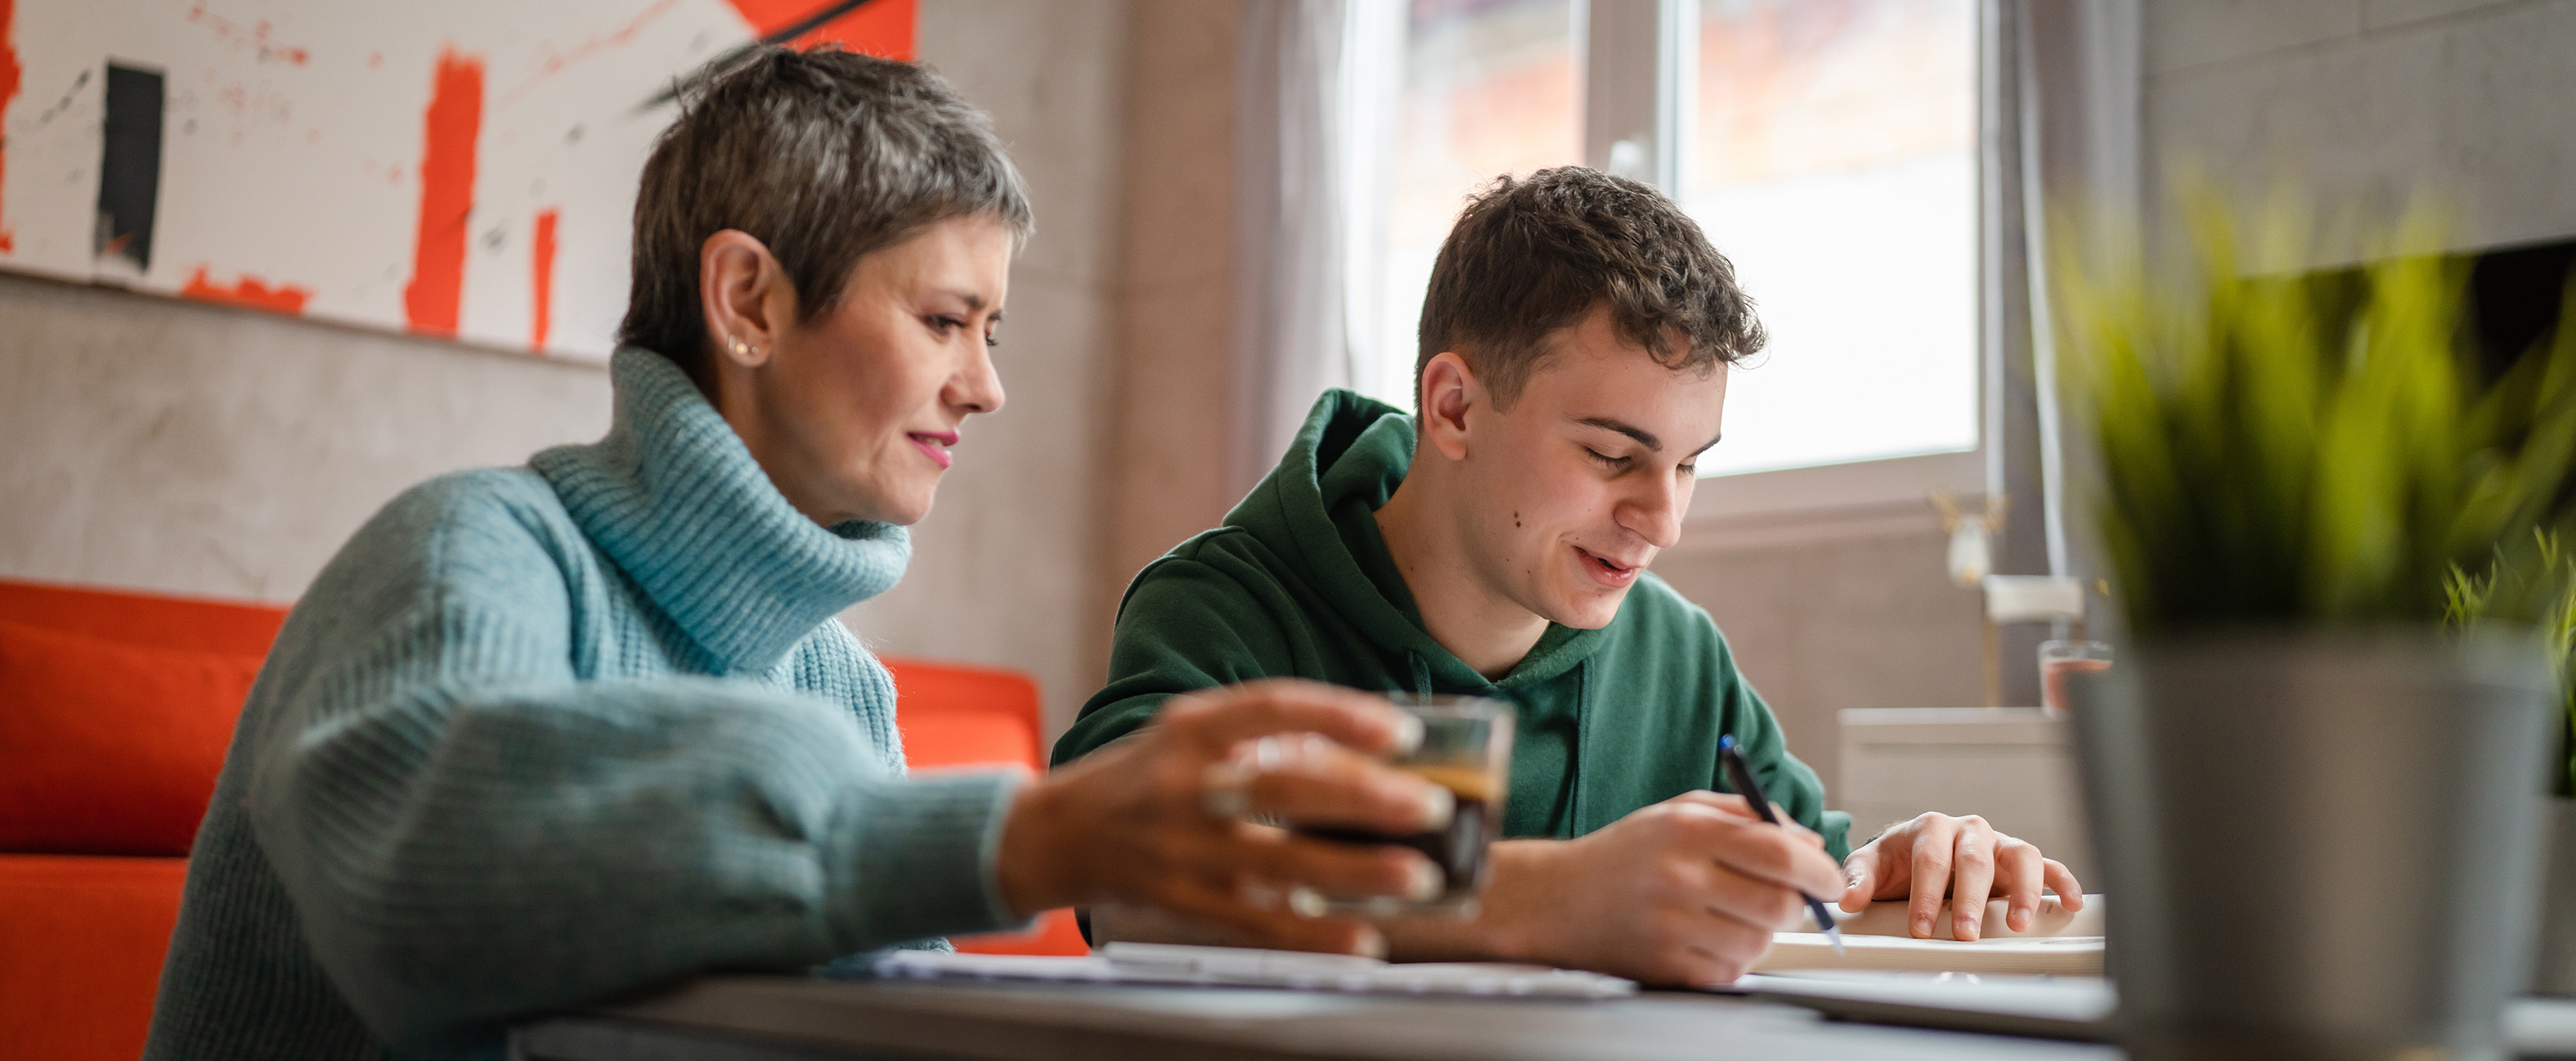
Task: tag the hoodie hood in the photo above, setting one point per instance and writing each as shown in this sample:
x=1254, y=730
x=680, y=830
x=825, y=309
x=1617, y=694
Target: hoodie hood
x=1315, y=511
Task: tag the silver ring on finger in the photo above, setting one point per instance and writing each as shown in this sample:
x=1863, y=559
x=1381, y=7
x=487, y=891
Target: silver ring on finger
x=1225, y=790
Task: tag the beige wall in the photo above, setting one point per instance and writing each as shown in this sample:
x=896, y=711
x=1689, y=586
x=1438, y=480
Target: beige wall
x=1167, y=431
x=187, y=448
x=1838, y=619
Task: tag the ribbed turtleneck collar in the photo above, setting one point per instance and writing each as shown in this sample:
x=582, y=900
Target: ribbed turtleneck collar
x=676, y=501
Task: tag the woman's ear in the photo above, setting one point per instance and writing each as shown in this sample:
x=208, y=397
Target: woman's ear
x=1449, y=389
x=746, y=298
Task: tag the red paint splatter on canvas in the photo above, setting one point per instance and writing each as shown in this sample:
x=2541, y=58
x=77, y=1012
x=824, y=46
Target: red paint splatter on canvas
x=879, y=27
x=257, y=36
x=543, y=269
x=448, y=132
x=555, y=62
x=8, y=91
x=248, y=290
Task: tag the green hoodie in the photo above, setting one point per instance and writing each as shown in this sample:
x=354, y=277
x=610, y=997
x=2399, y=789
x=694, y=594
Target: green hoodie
x=1298, y=582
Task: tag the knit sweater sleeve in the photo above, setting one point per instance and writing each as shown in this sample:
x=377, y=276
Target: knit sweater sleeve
x=469, y=833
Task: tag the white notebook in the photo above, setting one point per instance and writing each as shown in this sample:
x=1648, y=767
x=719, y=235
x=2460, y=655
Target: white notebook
x=2059, y=942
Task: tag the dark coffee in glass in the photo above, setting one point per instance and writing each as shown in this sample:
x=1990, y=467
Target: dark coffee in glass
x=1467, y=749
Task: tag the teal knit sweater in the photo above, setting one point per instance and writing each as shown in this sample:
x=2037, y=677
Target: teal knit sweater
x=540, y=735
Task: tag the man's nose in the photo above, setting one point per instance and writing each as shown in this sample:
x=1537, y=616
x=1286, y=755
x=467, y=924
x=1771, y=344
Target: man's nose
x=1655, y=514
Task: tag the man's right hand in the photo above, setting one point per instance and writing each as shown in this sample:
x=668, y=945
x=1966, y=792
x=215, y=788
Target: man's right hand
x=1159, y=818
x=1687, y=891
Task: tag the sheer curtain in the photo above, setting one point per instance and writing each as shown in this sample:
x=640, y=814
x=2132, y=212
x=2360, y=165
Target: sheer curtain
x=1294, y=203
x=2062, y=146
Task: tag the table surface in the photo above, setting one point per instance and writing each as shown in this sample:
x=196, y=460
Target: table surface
x=780, y=1018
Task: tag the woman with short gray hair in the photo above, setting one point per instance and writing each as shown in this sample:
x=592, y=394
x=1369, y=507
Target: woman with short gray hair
x=540, y=735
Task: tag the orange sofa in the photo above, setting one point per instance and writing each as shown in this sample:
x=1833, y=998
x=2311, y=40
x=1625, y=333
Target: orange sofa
x=115, y=712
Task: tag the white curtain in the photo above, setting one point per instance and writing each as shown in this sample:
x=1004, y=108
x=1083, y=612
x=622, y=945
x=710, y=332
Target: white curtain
x=2062, y=145
x=1314, y=130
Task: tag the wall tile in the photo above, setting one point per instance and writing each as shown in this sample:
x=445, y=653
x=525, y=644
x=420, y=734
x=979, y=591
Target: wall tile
x=2383, y=14
x=2181, y=34
x=2475, y=110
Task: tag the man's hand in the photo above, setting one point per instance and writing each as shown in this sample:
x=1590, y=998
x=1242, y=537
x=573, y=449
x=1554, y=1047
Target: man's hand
x=1687, y=891
x=1159, y=818
x=1964, y=860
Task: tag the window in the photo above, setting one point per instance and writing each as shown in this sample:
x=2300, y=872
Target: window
x=1487, y=87
x=1835, y=164
x=1829, y=149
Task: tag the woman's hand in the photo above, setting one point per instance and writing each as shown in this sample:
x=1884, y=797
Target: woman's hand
x=1964, y=860
x=1158, y=819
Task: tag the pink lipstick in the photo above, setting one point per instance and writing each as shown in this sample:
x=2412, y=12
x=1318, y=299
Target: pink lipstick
x=934, y=444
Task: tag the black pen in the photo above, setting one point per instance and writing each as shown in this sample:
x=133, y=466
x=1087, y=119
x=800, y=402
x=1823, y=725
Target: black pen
x=1741, y=773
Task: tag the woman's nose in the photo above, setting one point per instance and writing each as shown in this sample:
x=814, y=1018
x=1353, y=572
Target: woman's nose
x=977, y=388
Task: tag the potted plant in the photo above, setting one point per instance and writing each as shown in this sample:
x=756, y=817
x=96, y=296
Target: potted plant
x=2537, y=583
x=2317, y=803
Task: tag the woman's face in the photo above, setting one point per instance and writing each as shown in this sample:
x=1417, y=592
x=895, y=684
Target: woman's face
x=857, y=413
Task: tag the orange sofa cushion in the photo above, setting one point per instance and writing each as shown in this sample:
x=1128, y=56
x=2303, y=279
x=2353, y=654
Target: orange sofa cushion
x=954, y=715
x=81, y=940
x=109, y=748
x=143, y=618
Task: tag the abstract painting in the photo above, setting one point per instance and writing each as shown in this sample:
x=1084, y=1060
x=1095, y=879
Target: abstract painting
x=463, y=169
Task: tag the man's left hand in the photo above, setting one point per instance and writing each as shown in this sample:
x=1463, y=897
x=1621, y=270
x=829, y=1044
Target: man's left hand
x=1936, y=857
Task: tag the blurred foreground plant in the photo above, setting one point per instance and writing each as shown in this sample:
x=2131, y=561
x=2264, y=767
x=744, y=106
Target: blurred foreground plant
x=2319, y=448
x=2293, y=448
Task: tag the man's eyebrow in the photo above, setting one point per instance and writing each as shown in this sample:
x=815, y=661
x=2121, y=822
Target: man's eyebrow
x=973, y=301
x=1644, y=437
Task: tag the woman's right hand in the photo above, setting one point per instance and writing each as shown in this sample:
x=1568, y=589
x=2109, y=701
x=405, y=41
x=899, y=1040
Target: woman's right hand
x=1159, y=819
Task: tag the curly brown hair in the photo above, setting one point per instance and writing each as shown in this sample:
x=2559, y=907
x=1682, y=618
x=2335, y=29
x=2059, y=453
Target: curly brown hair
x=1532, y=256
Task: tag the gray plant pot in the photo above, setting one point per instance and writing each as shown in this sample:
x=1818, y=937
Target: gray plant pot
x=2318, y=845
x=2555, y=971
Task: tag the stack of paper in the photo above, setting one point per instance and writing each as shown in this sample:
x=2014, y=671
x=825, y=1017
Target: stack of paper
x=1159, y=963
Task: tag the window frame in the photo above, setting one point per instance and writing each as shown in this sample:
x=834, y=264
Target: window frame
x=1640, y=62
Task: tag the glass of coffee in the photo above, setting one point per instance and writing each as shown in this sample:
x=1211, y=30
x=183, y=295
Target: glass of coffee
x=1467, y=749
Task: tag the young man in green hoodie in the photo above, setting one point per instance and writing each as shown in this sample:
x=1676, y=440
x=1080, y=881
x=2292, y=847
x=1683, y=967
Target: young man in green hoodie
x=1574, y=350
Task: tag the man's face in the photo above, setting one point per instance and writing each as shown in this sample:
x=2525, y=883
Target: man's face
x=1587, y=475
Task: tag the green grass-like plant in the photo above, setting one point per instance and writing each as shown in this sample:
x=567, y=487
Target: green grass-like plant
x=2318, y=448
x=2321, y=448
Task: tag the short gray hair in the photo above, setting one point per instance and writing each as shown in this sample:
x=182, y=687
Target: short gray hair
x=824, y=156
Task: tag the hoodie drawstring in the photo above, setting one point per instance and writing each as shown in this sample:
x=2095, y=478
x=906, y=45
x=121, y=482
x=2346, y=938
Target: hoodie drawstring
x=1421, y=672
